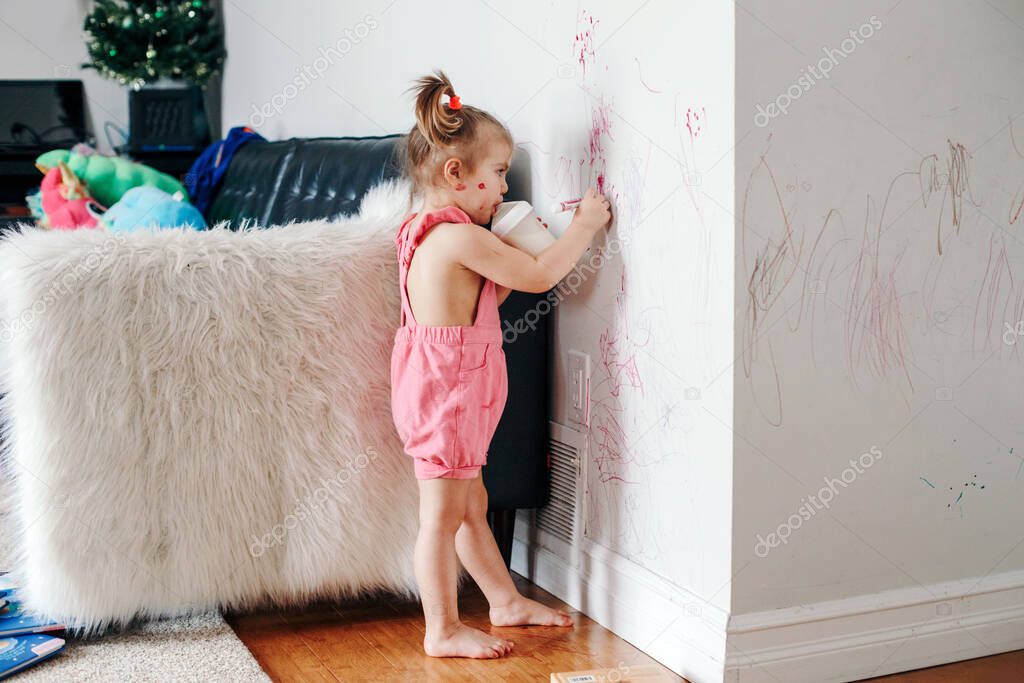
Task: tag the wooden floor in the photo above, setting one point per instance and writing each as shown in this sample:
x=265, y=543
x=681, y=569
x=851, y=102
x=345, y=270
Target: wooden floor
x=381, y=640
x=1004, y=668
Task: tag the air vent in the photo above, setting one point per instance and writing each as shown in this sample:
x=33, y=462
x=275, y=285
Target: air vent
x=561, y=515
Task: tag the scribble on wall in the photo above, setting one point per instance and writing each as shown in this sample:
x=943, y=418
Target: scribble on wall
x=1017, y=203
x=641, y=75
x=781, y=260
x=583, y=44
x=875, y=303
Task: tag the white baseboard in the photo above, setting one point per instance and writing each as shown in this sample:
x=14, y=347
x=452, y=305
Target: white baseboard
x=828, y=642
x=878, y=634
x=675, y=627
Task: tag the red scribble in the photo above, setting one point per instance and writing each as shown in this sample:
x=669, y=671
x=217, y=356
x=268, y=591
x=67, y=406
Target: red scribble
x=583, y=45
x=688, y=173
x=695, y=121
x=600, y=129
x=1015, y=213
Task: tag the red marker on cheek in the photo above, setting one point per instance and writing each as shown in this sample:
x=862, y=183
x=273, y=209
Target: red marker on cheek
x=482, y=186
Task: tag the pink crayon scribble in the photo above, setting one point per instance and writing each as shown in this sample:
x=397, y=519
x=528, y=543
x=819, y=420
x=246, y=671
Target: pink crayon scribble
x=583, y=45
x=695, y=121
x=616, y=372
x=642, y=81
x=996, y=285
x=690, y=175
x=874, y=327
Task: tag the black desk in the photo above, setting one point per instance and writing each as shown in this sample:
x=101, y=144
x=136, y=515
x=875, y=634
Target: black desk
x=18, y=175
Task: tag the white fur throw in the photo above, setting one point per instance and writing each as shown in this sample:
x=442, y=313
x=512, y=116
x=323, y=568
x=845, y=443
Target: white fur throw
x=202, y=419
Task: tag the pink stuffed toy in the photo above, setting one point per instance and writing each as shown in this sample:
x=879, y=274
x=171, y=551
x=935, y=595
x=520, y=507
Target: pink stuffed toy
x=66, y=201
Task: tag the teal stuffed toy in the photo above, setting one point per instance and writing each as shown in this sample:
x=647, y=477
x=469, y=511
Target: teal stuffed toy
x=108, y=178
x=147, y=207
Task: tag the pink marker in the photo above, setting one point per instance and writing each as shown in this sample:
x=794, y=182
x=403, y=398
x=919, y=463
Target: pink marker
x=566, y=206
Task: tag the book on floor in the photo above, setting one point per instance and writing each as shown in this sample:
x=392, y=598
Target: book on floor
x=20, y=652
x=641, y=673
x=15, y=621
x=7, y=586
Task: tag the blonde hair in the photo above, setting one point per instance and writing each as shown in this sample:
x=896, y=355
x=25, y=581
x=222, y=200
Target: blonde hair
x=442, y=132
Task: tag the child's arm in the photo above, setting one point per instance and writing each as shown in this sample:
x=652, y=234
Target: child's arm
x=484, y=253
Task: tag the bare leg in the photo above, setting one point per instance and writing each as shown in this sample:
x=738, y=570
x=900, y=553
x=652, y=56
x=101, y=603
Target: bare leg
x=479, y=553
x=442, y=509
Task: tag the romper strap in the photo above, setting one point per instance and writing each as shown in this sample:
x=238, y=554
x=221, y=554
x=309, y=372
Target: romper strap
x=408, y=238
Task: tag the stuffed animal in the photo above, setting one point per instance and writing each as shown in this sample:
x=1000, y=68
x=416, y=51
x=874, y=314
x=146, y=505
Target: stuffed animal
x=108, y=178
x=65, y=200
x=145, y=207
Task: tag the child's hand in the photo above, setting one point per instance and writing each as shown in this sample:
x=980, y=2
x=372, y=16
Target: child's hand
x=593, y=211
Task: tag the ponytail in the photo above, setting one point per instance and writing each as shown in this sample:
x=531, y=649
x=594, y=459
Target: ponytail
x=443, y=130
x=437, y=122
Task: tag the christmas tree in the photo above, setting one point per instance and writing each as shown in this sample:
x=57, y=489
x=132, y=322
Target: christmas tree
x=139, y=41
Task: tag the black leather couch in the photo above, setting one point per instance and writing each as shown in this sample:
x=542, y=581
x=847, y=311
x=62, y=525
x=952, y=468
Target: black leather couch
x=310, y=178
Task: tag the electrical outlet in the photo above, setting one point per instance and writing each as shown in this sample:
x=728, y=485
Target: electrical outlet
x=578, y=388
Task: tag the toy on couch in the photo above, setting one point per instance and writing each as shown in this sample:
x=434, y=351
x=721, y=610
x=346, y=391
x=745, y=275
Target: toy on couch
x=65, y=200
x=206, y=171
x=145, y=206
x=108, y=178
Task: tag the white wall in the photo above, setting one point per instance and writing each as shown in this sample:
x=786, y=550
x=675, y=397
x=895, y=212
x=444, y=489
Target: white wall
x=43, y=39
x=854, y=332
x=603, y=90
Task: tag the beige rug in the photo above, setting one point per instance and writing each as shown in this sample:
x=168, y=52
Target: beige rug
x=197, y=648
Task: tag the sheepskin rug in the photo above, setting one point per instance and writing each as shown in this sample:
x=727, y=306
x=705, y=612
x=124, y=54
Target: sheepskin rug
x=198, y=420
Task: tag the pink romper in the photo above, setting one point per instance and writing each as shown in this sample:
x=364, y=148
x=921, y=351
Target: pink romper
x=448, y=383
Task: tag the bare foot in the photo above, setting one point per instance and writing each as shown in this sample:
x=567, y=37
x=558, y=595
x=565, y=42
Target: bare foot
x=523, y=611
x=465, y=641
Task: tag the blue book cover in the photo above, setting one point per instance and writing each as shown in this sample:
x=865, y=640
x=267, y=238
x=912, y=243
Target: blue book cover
x=23, y=651
x=15, y=621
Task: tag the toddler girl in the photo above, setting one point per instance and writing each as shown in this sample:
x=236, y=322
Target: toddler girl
x=448, y=375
